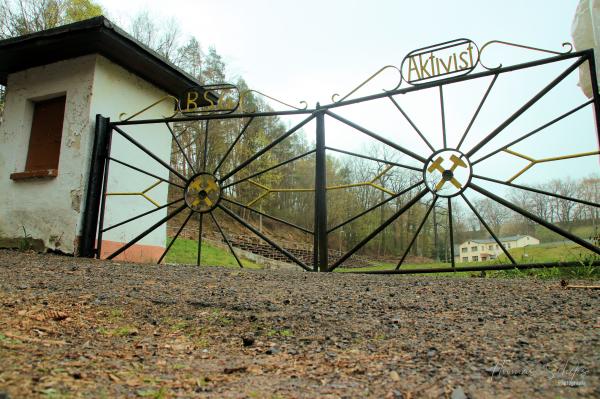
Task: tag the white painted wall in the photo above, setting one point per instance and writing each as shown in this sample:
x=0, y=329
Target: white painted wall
x=49, y=209
x=118, y=91
x=585, y=31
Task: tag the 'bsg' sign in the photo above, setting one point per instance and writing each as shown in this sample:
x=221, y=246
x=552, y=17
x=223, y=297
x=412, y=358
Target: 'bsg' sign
x=221, y=98
x=440, y=61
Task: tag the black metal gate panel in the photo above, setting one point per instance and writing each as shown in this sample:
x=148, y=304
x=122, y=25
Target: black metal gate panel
x=447, y=165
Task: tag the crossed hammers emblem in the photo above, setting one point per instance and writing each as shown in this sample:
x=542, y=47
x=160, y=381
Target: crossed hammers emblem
x=447, y=174
x=203, y=188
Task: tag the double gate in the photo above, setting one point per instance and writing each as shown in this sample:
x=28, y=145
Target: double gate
x=445, y=166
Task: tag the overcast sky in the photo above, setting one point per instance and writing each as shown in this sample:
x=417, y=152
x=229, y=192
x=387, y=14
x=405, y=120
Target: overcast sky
x=308, y=50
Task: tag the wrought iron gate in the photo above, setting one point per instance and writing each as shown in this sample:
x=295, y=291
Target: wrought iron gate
x=447, y=172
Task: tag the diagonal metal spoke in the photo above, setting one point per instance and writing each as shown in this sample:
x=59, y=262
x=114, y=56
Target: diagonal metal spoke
x=538, y=191
x=525, y=107
x=451, y=233
x=508, y=255
x=385, y=201
x=536, y=219
x=485, y=96
x=141, y=215
x=239, y=136
x=146, y=232
x=375, y=159
x=376, y=137
x=226, y=240
x=412, y=241
x=368, y=238
x=267, y=215
x=441, y=87
x=200, y=227
x=265, y=238
x=269, y=169
x=412, y=123
x=146, y=173
x=149, y=153
x=552, y=122
x=267, y=148
x=180, y=148
x=175, y=237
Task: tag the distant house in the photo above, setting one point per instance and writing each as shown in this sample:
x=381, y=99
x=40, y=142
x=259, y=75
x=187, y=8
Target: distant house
x=488, y=249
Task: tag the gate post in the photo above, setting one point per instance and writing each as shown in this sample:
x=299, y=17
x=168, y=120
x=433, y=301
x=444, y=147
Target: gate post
x=94, y=188
x=594, y=80
x=321, y=252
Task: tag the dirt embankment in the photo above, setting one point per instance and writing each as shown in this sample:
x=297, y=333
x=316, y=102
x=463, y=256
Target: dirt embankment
x=84, y=328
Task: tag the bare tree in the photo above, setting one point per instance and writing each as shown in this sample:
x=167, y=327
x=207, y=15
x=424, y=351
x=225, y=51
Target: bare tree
x=494, y=214
x=20, y=17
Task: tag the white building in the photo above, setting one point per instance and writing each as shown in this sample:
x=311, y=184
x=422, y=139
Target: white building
x=57, y=81
x=488, y=249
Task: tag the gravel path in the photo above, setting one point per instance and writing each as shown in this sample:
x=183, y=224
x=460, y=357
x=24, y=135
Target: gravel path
x=74, y=327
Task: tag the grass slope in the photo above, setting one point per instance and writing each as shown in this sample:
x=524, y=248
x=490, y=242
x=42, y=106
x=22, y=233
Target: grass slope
x=185, y=251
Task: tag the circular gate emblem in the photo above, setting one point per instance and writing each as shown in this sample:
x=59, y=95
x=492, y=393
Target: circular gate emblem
x=202, y=193
x=447, y=173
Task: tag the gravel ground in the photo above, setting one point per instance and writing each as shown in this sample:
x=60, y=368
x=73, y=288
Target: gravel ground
x=74, y=327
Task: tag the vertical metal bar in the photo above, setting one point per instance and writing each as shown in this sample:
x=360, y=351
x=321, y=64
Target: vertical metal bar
x=321, y=194
x=94, y=188
x=443, y=116
x=103, y=200
x=199, y=239
x=451, y=232
x=594, y=81
x=435, y=197
x=205, y=147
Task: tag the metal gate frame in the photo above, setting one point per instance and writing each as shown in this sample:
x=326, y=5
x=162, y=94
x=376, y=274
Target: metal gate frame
x=96, y=193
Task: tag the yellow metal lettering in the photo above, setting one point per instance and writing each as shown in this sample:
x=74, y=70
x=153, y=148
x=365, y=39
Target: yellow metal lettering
x=412, y=66
x=192, y=96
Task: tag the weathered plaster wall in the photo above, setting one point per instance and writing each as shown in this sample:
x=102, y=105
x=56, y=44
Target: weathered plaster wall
x=117, y=91
x=48, y=209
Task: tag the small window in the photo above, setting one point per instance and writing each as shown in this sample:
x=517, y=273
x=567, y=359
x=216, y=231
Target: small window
x=475, y=258
x=474, y=249
x=43, y=152
x=465, y=259
x=464, y=249
x=508, y=245
x=490, y=247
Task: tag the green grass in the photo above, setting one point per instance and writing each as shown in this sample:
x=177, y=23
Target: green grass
x=185, y=251
x=551, y=252
x=543, y=253
x=406, y=266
